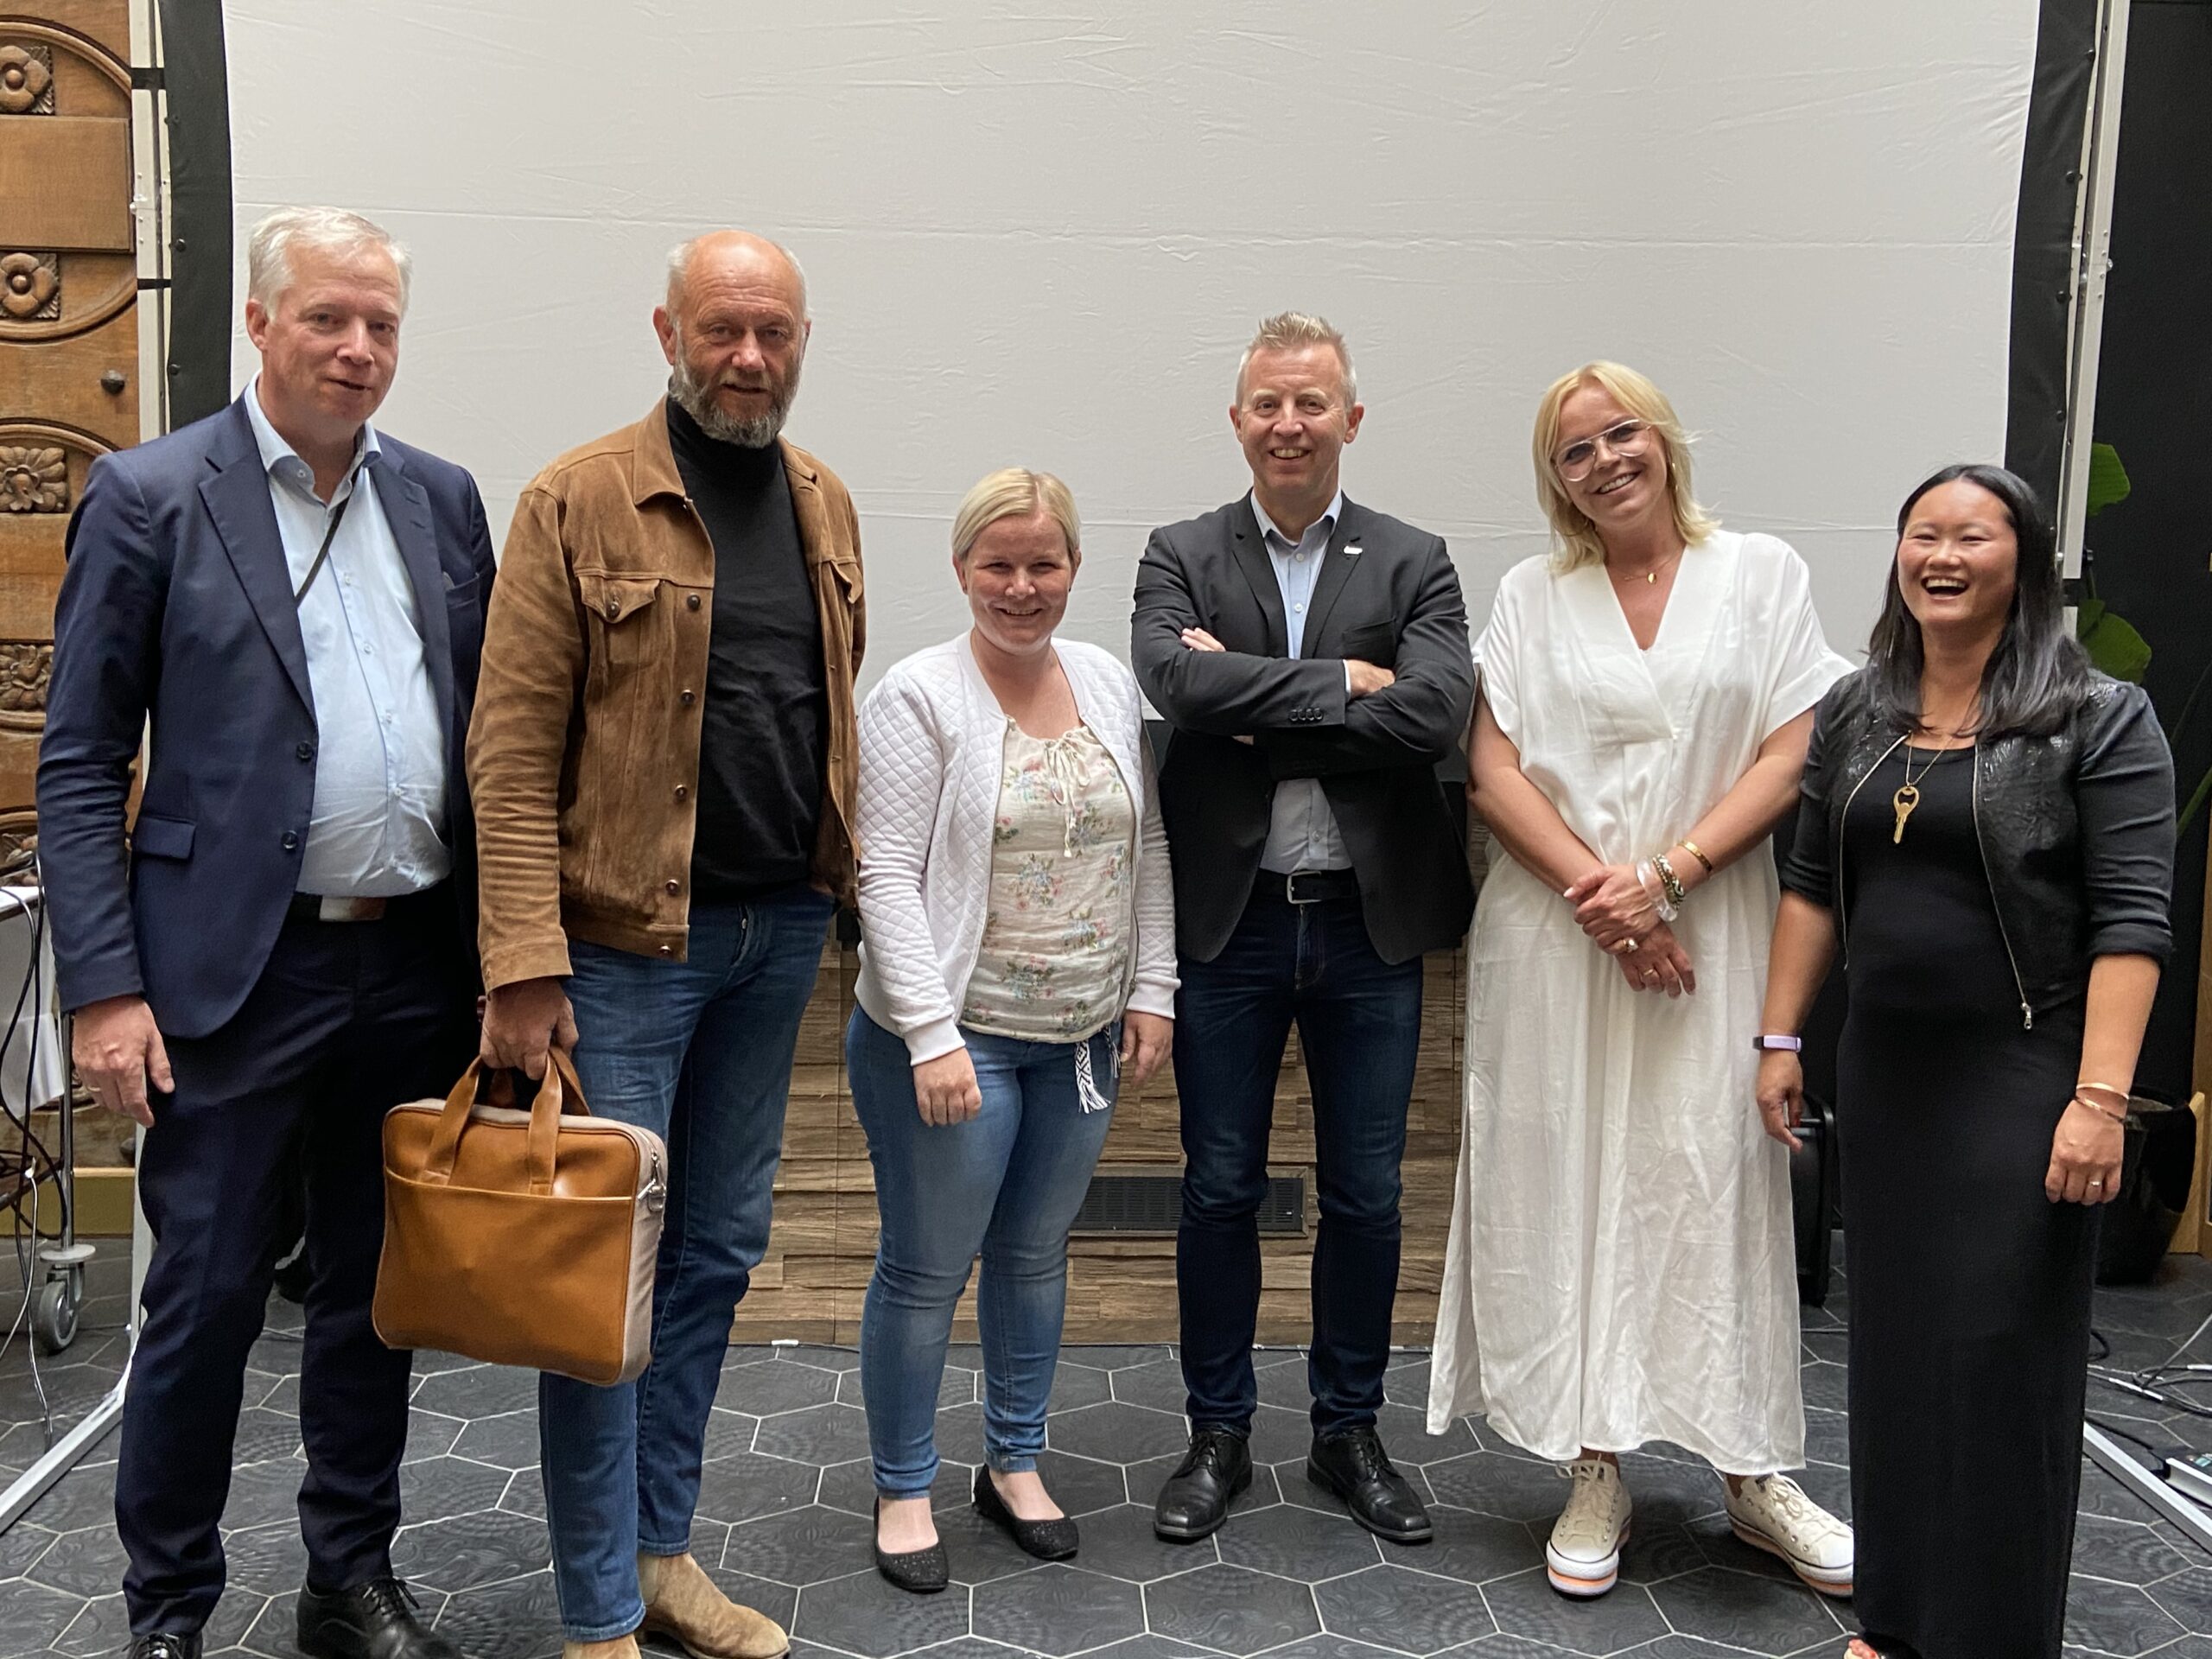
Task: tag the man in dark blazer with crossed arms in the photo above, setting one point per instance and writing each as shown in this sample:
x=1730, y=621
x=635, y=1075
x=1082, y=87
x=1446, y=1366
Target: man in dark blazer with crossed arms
x=281, y=948
x=1311, y=656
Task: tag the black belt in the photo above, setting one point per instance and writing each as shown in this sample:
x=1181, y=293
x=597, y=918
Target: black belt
x=318, y=907
x=1306, y=887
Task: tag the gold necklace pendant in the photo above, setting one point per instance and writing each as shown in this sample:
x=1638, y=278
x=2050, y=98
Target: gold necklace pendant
x=1904, y=800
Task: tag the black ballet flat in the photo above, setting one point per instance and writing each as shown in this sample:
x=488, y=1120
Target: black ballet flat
x=920, y=1572
x=1048, y=1541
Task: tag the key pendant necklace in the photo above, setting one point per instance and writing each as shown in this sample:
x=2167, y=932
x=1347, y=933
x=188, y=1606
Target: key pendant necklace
x=1908, y=795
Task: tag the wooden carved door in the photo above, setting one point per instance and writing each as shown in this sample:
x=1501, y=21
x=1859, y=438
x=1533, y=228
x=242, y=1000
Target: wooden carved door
x=68, y=327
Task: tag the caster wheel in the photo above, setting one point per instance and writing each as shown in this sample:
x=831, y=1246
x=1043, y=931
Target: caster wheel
x=54, y=1313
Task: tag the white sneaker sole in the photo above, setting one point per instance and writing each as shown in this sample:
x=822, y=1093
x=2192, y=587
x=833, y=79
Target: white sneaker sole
x=1583, y=1579
x=1828, y=1580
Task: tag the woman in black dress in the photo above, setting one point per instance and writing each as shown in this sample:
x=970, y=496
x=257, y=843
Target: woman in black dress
x=1987, y=830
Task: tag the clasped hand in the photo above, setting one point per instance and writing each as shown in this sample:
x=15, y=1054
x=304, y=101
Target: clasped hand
x=1617, y=909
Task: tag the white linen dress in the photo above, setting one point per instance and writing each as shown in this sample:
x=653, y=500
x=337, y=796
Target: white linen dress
x=1621, y=1267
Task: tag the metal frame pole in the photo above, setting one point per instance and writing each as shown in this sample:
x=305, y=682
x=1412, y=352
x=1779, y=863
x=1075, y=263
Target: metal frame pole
x=2092, y=261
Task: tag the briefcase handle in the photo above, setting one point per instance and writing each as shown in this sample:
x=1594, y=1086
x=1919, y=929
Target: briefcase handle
x=560, y=1092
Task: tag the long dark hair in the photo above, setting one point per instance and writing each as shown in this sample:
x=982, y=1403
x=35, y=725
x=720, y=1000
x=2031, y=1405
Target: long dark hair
x=2038, y=676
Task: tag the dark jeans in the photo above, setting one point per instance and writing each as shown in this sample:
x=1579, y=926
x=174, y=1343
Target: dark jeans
x=346, y=1019
x=1359, y=1024
x=699, y=1051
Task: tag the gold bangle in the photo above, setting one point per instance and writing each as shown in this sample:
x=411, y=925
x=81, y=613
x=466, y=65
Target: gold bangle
x=2086, y=1104
x=1695, y=852
x=2113, y=1089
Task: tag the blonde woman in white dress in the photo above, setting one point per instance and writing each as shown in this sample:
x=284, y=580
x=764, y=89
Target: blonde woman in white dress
x=1620, y=1268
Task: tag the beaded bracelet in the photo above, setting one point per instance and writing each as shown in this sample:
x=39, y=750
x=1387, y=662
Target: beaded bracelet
x=1662, y=901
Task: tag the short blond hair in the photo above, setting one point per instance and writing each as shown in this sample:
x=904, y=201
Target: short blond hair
x=1287, y=331
x=1575, y=540
x=1015, y=493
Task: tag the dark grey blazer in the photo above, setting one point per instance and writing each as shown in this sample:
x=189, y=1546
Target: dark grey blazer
x=1387, y=594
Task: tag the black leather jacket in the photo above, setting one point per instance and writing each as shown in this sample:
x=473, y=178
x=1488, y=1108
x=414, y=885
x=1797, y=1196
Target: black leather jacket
x=2076, y=832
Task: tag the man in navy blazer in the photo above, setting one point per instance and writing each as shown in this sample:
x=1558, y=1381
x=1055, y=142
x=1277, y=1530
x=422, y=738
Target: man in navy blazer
x=278, y=950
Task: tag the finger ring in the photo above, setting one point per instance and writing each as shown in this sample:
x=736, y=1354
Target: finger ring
x=1624, y=946
x=1651, y=974
x=2094, y=1185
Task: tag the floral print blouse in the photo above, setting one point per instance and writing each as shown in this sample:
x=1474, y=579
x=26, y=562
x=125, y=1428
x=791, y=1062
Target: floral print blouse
x=1054, y=963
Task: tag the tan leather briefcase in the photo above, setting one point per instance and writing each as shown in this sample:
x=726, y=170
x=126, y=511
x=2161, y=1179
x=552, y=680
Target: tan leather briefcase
x=521, y=1237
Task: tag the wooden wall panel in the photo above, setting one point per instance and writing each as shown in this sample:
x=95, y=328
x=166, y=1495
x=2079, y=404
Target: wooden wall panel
x=1120, y=1288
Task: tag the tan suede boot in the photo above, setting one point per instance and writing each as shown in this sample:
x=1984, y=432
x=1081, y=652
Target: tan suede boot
x=683, y=1602
x=620, y=1647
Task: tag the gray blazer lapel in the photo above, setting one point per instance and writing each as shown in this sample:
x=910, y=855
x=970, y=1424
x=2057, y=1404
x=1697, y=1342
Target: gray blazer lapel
x=1252, y=558
x=407, y=510
x=238, y=500
x=1337, y=568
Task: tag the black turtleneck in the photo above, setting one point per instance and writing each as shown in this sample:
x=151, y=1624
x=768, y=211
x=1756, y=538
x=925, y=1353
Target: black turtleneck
x=761, y=740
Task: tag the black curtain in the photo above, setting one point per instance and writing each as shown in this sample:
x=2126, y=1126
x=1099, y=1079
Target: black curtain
x=199, y=141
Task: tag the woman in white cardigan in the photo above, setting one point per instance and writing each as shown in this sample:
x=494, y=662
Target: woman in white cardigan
x=1018, y=961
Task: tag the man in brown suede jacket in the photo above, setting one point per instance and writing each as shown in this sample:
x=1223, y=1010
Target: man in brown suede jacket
x=663, y=766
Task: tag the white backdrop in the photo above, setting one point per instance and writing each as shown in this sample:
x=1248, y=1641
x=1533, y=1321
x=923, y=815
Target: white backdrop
x=1040, y=236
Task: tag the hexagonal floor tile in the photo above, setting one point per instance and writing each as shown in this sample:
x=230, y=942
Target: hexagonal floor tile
x=2117, y=1619
x=800, y=1545
x=1495, y=1483
x=1121, y=1543
x=745, y=1486
x=863, y=1614
x=508, y=1440
x=1115, y=1433
x=87, y=1562
x=1740, y=1610
x=489, y=1546
x=1058, y=1610
x=1298, y=1543
x=1230, y=1609
x=519, y=1619
x=816, y=1434
x=1403, y=1609
x=1526, y=1604
x=771, y=1385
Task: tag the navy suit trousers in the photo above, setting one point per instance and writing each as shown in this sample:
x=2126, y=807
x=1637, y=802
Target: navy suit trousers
x=1358, y=1020
x=345, y=1021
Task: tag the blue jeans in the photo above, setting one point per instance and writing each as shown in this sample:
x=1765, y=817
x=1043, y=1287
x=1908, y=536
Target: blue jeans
x=1359, y=1027
x=700, y=1051
x=1006, y=1182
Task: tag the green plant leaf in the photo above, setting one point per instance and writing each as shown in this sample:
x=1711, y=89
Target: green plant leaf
x=2108, y=478
x=2112, y=642
x=2195, y=806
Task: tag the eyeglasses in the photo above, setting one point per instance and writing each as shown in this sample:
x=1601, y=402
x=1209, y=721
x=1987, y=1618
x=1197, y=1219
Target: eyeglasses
x=1623, y=438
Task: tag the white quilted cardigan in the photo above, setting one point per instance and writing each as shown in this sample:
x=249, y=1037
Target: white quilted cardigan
x=932, y=748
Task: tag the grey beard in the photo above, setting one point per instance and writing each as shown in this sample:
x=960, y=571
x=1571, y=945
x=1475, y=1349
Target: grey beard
x=696, y=399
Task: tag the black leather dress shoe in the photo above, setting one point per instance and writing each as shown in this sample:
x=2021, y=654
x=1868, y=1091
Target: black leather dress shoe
x=1353, y=1463
x=380, y=1619
x=1048, y=1541
x=1195, y=1501
x=920, y=1572
x=165, y=1644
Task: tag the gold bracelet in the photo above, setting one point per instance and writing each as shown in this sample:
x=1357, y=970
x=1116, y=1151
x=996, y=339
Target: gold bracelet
x=2086, y=1104
x=2113, y=1089
x=1695, y=852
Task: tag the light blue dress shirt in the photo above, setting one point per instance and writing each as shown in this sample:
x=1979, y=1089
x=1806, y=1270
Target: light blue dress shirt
x=1303, y=833
x=380, y=752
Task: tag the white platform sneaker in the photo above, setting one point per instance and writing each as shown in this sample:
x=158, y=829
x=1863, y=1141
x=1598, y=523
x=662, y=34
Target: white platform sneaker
x=1771, y=1512
x=1584, y=1555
